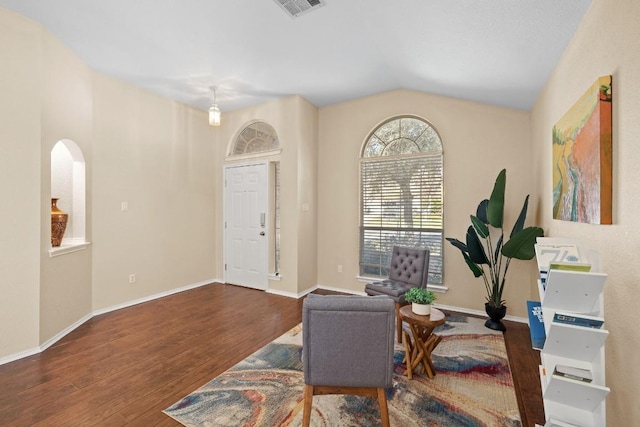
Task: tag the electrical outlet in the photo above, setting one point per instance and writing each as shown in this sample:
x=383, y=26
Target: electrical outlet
x=132, y=278
x=339, y=268
x=124, y=206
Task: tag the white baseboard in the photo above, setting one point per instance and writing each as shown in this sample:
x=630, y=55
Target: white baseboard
x=46, y=344
x=444, y=307
x=481, y=313
x=285, y=294
x=67, y=330
x=308, y=291
x=21, y=355
x=62, y=334
x=57, y=337
x=344, y=291
x=151, y=297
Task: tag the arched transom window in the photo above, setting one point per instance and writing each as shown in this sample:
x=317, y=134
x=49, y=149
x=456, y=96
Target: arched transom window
x=401, y=181
x=254, y=138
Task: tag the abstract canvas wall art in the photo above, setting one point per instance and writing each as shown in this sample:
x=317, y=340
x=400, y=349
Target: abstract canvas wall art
x=582, y=158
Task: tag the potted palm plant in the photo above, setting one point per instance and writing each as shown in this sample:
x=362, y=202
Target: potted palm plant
x=487, y=253
x=420, y=299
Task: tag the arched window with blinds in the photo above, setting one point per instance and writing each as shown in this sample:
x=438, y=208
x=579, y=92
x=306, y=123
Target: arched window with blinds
x=401, y=179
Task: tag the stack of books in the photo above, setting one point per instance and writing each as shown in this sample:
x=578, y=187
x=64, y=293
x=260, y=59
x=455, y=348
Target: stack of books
x=573, y=373
x=578, y=320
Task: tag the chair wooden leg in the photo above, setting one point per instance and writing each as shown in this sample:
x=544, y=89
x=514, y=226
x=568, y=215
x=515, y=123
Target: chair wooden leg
x=384, y=409
x=308, y=400
x=377, y=392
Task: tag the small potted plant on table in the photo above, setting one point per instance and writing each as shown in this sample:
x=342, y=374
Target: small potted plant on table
x=420, y=299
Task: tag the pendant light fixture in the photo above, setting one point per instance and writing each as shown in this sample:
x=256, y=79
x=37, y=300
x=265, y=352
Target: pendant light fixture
x=214, y=111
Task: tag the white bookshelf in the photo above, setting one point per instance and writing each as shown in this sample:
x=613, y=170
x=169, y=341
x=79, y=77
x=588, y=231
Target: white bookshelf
x=568, y=401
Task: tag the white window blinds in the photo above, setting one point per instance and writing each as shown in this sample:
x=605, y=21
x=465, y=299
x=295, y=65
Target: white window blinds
x=401, y=201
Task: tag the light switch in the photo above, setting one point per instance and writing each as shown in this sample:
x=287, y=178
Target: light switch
x=124, y=206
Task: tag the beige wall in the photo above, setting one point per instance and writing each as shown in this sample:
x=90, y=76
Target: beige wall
x=307, y=200
x=65, y=282
x=478, y=141
x=607, y=42
x=154, y=153
x=158, y=156
x=20, y=186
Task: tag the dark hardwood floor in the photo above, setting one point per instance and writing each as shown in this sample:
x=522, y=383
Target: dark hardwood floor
x=123, y=368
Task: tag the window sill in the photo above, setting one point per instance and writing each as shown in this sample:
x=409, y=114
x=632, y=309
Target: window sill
x=67, y=248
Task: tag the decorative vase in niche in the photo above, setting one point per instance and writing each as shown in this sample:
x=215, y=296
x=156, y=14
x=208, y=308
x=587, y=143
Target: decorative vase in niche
x=58, y=223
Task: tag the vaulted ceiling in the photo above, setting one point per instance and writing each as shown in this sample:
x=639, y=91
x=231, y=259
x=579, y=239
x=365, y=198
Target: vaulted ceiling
x=498, y=52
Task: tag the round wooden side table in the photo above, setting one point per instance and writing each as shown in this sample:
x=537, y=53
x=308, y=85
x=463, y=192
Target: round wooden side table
x=419, y=346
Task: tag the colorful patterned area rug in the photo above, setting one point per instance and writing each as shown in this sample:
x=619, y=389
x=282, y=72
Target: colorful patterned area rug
x=472, y=387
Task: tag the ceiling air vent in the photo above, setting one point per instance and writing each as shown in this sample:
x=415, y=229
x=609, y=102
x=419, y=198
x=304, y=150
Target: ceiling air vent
x=295, y=8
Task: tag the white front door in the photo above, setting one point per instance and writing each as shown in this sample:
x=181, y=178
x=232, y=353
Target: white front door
x=245, y=200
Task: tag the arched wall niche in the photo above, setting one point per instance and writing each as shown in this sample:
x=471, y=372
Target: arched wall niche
x=68, y=184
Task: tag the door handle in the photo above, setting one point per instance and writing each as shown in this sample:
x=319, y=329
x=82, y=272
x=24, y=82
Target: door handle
x=262, y=233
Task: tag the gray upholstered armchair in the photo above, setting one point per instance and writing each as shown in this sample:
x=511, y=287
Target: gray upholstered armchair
x=347, y=348
x=409, y=269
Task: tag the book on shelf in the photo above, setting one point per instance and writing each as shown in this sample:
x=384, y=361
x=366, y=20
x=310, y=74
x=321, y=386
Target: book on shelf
x=579, y=267
x=578, y=320
x=536, y=324
x=547, y=253
x=570, y=266
x=573, y=373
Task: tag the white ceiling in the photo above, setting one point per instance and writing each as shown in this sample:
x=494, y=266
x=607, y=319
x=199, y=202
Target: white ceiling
x=499, y=52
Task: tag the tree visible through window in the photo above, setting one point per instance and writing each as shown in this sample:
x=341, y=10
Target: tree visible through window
x=401, y=195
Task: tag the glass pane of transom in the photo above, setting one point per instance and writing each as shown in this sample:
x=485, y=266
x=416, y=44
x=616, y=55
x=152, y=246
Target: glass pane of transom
x=401, y=146
x=430, y=141
x=412, y=128
x=256, y=137
x=374, y=147
x=389, y=131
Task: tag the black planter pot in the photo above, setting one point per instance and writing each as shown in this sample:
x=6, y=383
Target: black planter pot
x=495, y=315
